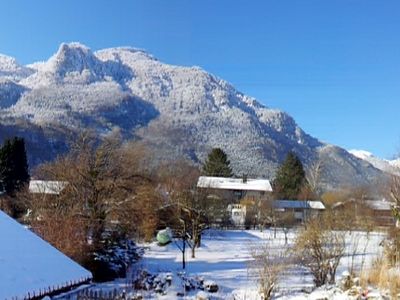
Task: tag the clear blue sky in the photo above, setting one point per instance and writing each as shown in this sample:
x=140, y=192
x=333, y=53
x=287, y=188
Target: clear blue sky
x=334, y=65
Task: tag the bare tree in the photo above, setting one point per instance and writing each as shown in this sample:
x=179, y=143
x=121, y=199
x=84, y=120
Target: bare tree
x=286, y=220
x=190, y=205
x=106, y=190
x=313, y=175
x=320, y=248
x=267, y=265
x=395, y=195
x=252, y=212
x=393, y=245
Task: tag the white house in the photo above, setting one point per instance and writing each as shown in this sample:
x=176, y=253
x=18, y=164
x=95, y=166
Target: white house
x=47, y=187
x=238, y=189
x=235, y=184
x=32, y=268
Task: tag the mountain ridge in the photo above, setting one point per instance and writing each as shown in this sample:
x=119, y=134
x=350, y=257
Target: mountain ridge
x=386, y=165
x=180, y=111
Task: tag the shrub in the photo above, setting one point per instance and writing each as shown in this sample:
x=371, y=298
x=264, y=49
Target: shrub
x=267, y=266
x=114, y=259
x=320, y=249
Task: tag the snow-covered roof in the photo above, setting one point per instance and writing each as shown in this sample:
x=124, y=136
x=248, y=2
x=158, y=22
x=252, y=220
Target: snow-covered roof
x=305, y=204
x=379, y=204
x=30, y=266
x=46, y=187
x=382, y=205
x=224, y=183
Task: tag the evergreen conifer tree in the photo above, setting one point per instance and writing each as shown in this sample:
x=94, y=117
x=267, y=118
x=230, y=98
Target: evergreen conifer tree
x=290, y=178
x=13, y=165
x=217, y=164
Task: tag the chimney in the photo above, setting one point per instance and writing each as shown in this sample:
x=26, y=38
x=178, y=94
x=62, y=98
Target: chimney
x=244, y=178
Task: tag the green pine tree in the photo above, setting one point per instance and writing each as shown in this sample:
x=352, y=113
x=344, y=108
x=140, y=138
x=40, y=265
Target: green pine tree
x=217, y=164
x=13, y=165
x=290, y=178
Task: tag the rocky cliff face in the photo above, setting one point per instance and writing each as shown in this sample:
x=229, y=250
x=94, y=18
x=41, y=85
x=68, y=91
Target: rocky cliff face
x=179, y=111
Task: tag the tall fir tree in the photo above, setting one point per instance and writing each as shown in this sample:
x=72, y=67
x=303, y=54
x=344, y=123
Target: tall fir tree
x=13, y=165
x=290, y=178
x=217, y=164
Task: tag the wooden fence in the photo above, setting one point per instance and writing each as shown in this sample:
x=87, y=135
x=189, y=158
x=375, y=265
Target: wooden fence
x=114, y=294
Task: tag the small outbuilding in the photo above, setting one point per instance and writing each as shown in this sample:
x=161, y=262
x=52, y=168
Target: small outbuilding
x=237, y=213
x=382, y=211
x=302, y=209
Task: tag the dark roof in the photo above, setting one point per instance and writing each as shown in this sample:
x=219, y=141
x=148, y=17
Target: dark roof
x=304, y=204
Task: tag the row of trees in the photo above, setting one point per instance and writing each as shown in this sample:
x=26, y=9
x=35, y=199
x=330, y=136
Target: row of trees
x=110, y=196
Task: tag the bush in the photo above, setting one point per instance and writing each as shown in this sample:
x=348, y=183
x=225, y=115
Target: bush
x=267, y=266
x=113, y=260
x=320, y=249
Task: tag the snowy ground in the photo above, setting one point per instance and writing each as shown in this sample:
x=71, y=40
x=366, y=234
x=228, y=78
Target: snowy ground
x=225, y=256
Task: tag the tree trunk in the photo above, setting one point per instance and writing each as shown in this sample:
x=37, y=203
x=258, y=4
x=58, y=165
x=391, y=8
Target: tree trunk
x=332, y=274
x=184, y=245
x=193, y=251
x=198, y=242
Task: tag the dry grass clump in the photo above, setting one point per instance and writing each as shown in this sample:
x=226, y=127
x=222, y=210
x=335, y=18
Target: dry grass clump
x=384, y=276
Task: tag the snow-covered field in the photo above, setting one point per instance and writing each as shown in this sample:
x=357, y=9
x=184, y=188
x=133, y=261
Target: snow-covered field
x=224, y=257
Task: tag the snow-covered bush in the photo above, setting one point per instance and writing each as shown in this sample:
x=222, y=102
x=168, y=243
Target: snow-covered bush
x=114, y=259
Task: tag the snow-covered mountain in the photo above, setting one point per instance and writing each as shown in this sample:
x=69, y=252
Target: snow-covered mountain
x=179, y=111
x=388, y=166
x=9, y=68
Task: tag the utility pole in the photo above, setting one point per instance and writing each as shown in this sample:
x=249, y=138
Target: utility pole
x=184, y=246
